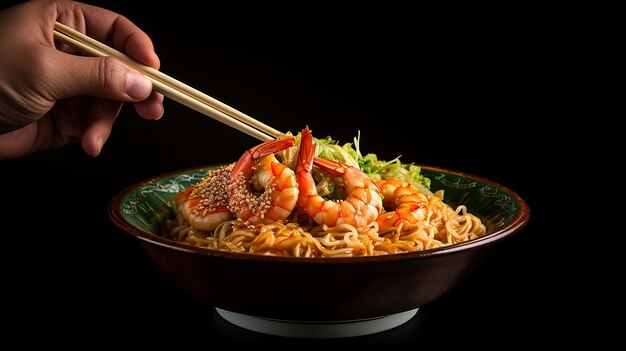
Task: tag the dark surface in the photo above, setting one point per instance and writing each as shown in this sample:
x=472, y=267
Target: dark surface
x=453, y=97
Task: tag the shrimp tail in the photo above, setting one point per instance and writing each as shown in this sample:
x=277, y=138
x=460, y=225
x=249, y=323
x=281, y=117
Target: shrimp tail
x=331, y=167
x=307, y=158
x=307, y=152
x=247, y=160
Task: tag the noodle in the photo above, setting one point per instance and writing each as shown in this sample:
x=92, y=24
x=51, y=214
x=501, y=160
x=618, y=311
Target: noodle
x=299, y=236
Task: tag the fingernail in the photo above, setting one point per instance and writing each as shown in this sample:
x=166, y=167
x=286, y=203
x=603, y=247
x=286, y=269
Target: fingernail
x=99, y=144
x=139, y=86
x=161, y=115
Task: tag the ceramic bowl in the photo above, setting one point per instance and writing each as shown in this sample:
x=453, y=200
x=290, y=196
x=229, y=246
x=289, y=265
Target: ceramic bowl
x=317, y=297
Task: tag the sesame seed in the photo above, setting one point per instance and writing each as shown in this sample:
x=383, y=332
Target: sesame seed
x=212, y=189
x=242, y=197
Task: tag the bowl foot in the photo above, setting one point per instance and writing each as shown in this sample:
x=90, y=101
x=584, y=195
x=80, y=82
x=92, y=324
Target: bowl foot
x=317, y=329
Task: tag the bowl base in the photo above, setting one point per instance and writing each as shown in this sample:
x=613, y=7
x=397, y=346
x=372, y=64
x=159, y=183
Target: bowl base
x=317, y=329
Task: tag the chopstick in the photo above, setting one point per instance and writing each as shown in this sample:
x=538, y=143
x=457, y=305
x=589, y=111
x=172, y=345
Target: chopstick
x=170, y=87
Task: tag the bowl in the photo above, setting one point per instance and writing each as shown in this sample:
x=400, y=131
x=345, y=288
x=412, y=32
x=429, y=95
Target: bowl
x=317, y=297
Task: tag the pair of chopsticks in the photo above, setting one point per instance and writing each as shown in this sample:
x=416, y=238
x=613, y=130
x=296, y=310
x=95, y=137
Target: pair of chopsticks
x=170, y=87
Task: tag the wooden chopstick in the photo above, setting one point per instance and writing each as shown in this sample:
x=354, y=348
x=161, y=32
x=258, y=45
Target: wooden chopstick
x=170, y=87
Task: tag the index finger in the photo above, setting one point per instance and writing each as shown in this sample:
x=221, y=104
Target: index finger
x=112, y=29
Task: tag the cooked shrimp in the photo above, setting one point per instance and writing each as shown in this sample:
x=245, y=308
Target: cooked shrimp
x=404, y=202
x=276, y=181
x=205, y=204
x=360, y=208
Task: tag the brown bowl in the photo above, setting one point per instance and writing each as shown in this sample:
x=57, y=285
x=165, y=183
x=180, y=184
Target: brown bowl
x=314, y=295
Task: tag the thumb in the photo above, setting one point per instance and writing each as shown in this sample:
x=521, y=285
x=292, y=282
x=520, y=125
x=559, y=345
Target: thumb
x=104, y=77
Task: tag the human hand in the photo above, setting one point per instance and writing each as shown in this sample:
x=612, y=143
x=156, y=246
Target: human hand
x=49, y=96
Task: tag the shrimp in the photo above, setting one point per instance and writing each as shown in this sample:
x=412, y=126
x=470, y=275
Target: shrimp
x=407, y=203
x=360, y=208
x=277, y=181
x=205, y=204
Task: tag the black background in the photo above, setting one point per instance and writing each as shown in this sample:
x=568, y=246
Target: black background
x=441, y=90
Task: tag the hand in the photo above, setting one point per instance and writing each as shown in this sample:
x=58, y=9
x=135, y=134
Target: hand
x=49, y=96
